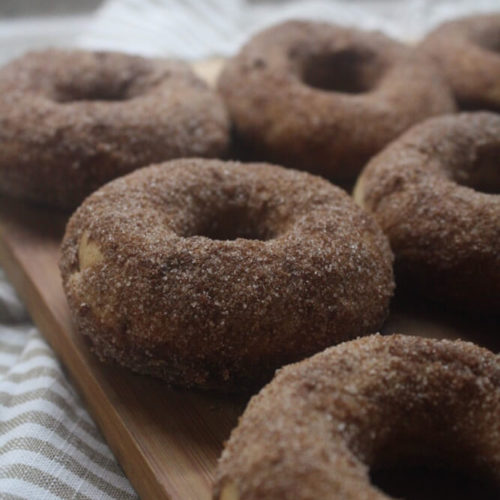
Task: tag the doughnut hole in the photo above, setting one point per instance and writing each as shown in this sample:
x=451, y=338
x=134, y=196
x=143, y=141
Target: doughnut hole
x=483, y=173
x=488, y=39
x=423, y=457
x=232, y=222
x=350, y=71
x=422, y=482
x=229, y=213
x=102, y=77
x=94, y=89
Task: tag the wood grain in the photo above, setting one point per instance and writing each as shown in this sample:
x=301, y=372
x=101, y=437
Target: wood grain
x=167, y=441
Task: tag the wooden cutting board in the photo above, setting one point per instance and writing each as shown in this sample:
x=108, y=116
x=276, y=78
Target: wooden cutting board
x=167, y=441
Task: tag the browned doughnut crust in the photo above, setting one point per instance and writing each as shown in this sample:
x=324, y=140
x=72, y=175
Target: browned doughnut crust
x=445, y=234
x=324, y=98
x=213, y=274
x=71, y=121
x=468, y=51
x=319, y=427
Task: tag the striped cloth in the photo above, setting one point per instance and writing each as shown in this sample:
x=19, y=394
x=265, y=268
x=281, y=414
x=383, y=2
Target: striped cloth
x=49, y=446
x=195, y=29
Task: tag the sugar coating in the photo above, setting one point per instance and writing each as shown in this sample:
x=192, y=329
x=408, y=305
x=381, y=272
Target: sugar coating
x=309, y=269
x=319, y=427
x=72, y=120
x=467, y=51
x=279, y=117
x=445, y=234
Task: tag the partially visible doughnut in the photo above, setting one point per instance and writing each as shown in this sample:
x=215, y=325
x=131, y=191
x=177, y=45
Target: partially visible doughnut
x=435, y=192
x=71, y=121
x=319, y=428
x=468, y=52
x=324, y=98
x=213, y=274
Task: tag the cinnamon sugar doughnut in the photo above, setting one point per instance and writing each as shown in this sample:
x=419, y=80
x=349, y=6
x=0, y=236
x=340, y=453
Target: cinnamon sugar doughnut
x=435, y=193
x=71, y=121
x=468, y=51
x=324, y=98
x=322, y=425
x=213, y=274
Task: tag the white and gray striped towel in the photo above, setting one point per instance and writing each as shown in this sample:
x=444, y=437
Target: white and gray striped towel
x=195, y=29
x=49, y=446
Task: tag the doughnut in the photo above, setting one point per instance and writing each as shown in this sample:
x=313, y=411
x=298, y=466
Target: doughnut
x=468, y=51
x=324, y=98
x=435, y=193
x=319, y=428
x=71, y=121
x=212, y=274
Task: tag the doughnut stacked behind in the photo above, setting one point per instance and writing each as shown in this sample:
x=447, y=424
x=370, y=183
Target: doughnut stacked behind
x=324, y=98
x=468, y=52
x=213, y=274
x=322, y=425
x=71, y=121
x=436, y=194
